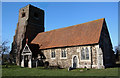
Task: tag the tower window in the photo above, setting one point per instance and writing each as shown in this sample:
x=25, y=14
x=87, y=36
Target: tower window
x=36, y=15
x=23, y=15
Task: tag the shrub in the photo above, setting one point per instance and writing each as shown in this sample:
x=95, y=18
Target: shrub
x=46, y=64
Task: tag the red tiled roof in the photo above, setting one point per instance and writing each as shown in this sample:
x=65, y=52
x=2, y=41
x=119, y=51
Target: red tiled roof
x=81, y=34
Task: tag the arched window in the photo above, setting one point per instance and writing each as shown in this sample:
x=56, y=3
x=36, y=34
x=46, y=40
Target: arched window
x=87, y=53
x=82, y=54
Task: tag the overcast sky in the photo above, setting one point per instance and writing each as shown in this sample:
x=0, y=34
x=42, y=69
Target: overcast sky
x=59, y=15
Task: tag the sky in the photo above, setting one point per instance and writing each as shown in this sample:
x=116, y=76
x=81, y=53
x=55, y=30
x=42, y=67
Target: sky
x=59, y=0
x=62, y=14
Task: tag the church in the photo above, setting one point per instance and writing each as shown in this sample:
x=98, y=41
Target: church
x=86, y=45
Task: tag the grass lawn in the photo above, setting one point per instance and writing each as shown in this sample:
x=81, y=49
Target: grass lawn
x=14, y=70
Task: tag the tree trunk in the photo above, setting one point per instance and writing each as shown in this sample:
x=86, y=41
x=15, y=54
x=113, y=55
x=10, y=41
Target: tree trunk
x=2, y=59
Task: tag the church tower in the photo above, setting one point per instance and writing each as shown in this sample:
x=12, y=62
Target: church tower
x=30, y=23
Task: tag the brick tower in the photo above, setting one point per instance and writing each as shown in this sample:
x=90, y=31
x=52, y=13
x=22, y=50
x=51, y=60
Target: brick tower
x=30, y=23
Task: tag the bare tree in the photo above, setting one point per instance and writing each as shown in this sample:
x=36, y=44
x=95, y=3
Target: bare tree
x=117, y=50
x=4, y=49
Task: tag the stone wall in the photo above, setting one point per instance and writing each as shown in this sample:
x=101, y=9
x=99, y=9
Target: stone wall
x=71, y=52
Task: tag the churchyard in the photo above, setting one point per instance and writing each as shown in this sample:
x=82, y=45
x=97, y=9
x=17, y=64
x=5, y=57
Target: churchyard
x=14, y=70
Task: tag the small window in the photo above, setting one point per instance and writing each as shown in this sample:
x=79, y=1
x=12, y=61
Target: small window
x=52, y=54
x=23, y=15
x=26, y=48
x=63, y=53
x=36, y=15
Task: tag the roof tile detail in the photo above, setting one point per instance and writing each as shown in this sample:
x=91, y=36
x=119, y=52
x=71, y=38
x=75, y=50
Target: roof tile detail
x=81, y=34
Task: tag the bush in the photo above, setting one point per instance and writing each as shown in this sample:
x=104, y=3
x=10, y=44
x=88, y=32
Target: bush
x=46, y=64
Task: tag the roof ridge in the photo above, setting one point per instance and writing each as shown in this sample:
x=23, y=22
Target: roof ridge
x=71, y=26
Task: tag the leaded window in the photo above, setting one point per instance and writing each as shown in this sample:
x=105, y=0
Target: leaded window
x=82, y=54
x=85, y=54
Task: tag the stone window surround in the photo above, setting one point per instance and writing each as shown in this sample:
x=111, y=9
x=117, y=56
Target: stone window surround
x=61, y=53
x=76, y=50
x=85, y=53
x=51, y=53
